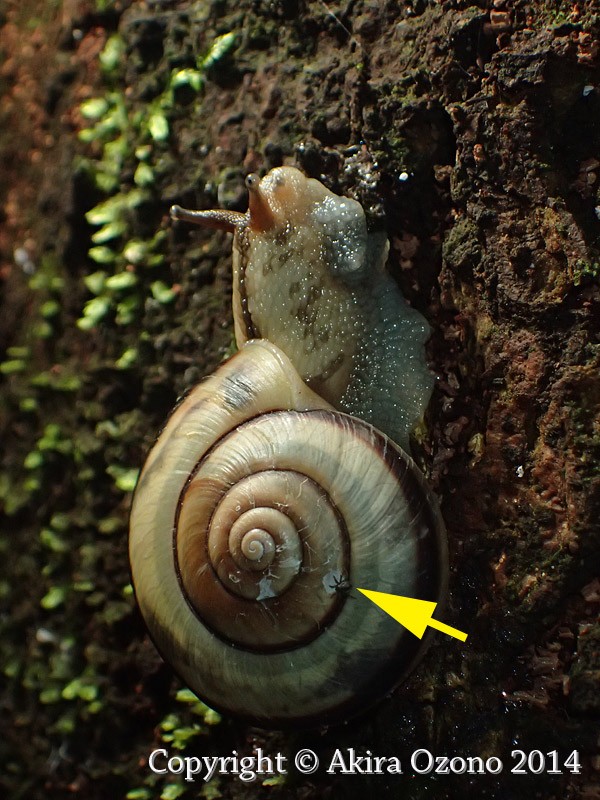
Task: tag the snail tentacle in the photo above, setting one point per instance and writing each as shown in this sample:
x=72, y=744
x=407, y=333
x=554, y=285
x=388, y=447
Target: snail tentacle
x=221, y=219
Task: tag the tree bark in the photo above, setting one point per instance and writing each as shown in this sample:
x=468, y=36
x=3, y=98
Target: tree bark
x=471, y=132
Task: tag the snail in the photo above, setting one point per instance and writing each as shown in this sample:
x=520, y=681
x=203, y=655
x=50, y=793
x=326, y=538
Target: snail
x=278, y=485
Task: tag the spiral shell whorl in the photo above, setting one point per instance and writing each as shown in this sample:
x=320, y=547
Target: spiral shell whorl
x=269, y=538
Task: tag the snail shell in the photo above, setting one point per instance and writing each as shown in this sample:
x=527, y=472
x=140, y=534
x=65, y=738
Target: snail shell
x=261, y=507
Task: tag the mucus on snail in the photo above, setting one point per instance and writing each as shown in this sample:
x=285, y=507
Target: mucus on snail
x=279, y=485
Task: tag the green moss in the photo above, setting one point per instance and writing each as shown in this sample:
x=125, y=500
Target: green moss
x=219, y=48
x=53, y=598
x=172, y=791
x=125, y=477
x=586, y=272
x=12, y=366
x=139, y=794
x=461, y=248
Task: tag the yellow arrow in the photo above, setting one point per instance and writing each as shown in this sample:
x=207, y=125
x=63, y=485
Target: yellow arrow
x=414, y=615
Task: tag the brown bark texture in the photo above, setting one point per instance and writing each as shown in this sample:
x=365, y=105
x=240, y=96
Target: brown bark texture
x=470, y=131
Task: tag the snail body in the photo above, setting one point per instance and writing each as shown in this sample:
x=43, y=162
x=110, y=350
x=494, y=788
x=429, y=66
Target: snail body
x=262, y=506
x=309, y=278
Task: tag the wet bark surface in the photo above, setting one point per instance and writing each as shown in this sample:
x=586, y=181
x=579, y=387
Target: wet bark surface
x=471, y=133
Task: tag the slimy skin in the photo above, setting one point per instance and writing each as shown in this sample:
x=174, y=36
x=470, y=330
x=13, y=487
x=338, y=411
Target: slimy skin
x=309, y=278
